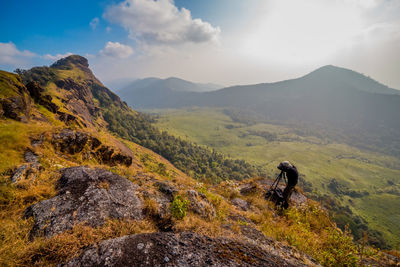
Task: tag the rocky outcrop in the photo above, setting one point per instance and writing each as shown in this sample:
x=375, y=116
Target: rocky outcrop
x=15, y=107
x=36, y=92
x=80, y=97
x=68, y=141
x=14, y=100
x=88, y=196
x=72, y=142
x=200, y=205
x=168, y=249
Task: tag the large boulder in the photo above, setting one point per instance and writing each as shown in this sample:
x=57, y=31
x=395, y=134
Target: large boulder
x=168, y=249
x=88, y=196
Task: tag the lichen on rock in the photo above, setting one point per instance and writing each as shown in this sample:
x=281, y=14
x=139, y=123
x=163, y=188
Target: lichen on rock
x=82, y=199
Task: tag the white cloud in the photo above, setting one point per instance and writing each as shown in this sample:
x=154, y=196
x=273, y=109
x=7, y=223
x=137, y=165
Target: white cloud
x=10, y=55
x=160, y=22
x=108, y=29
x=93, y=23
x=116, y=50
x=57, y=57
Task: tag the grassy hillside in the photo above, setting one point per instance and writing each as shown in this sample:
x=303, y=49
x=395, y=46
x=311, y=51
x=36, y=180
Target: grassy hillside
x=305, y=228
x=365, y=182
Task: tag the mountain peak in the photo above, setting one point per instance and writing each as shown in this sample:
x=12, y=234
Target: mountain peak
x=68, y=62
x=331, y=74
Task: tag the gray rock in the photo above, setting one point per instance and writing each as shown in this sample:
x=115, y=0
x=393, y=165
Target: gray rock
x=248, y=189
x=20, y=173
x=168, y=249
x=298, y=198
x=28, y=170
x=161, y=212
x=240, y=203
x=200, y=205
x=88, y=196
x=166, y=189
x=16, y=107
x=31, y=157
x=70, y=141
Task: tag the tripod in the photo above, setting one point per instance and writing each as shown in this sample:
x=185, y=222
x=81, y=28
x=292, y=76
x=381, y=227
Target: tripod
x=278, y=178
x=272, y=190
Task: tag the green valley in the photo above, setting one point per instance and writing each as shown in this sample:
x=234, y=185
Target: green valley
x=360, y=183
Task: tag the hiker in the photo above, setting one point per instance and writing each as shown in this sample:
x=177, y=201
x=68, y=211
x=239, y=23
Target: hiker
x=292, y=177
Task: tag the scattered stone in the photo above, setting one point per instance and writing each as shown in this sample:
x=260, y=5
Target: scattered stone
x=84, y=198
x=31, y=157
x=240, y=218
x=65, y=117
x=240, y=203
x=248, y=189
x=29, y=170
x=168, y=249
x=20, y=173
x=37, y=141
x=121, y=159
x=166, y=189
x=200, y=205
x=95, y=143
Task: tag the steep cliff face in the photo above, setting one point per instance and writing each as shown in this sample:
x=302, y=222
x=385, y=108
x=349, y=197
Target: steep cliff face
x=74, y=193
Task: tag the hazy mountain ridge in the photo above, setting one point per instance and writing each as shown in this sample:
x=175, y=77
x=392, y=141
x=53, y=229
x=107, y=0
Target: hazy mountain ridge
x=162, y=92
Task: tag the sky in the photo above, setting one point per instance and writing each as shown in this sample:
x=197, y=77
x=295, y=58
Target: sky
x=226, y=42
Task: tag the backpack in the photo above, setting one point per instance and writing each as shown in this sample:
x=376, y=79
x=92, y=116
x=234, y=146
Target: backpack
x=276, y=196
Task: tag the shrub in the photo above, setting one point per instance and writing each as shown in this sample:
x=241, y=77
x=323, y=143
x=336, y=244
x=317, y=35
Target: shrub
x=179, y=207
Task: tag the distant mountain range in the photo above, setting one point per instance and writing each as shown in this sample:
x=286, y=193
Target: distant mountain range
x=155, y=91
x=332, y=97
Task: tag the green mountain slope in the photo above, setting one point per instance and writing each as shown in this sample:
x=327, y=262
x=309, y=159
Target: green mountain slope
x=357, y=183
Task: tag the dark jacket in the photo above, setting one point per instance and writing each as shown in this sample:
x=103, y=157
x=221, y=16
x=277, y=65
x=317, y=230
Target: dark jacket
x=291, y=174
